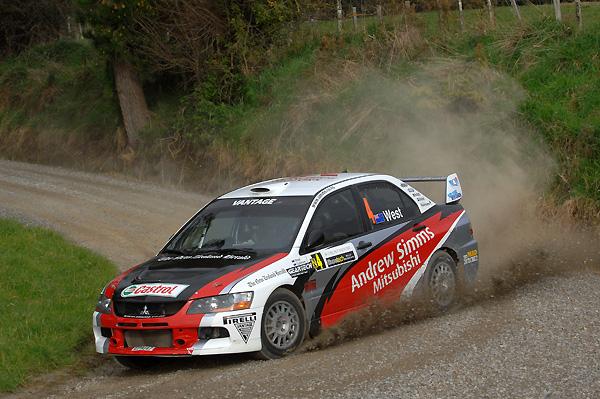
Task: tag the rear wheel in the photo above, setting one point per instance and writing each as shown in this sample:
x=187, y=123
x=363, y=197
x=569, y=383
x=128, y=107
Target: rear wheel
x=442, y=282
x=283, y=325
x=137, y=362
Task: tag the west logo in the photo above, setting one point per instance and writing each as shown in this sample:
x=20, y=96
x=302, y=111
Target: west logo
x=388, y=216
x=393, y=215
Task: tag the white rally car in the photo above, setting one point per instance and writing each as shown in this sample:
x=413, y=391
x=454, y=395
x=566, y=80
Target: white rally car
x=260, y=268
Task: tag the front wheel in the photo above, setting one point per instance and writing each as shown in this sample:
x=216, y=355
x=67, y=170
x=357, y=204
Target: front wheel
x=283, y=325
x=442, y=284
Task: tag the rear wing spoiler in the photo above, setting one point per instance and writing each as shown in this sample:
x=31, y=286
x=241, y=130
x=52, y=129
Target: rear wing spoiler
x=453, y=187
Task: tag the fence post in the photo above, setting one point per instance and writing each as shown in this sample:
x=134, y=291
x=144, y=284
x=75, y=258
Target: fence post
x=557, y=10
x=516, y=8
x=339, y=15
x=461, y=16
x=354, y=18
x=578, y=13
x=491, y=13
x=379, y=13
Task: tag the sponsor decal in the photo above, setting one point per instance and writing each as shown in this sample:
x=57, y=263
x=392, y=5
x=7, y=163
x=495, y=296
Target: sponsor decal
x=206, y=256
x=244, y=323
x=300, y=269
x=312, y=178
x=340, y=259
x=454, y=195
x=316, y=261
x=321, y=194
x=266, y=277
x=384, y=216
x=256, y=201
x=470, y=257
x=143, y=348
x=410, y=190
x=153, y=289
x=393, y=265
x=453, y=182
x=331, y=257
x=387, y=216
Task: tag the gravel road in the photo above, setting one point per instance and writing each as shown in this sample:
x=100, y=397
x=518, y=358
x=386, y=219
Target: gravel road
x=537, y=340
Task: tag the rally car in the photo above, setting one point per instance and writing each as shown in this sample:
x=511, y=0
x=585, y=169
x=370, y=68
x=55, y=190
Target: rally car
x=264, y=266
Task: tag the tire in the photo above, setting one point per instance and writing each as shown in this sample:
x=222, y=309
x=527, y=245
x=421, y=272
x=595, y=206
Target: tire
x=283, y=325
x=442, y=281
x=137, y=362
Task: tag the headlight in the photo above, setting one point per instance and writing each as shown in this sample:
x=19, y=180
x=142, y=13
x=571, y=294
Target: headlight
x=221, y=303
x=103, y=305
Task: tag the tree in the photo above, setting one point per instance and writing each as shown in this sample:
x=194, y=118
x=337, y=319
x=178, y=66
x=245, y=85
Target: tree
x=191, y=39
x=110, y=24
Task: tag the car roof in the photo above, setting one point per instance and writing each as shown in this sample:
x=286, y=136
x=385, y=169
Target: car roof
x=293, y=186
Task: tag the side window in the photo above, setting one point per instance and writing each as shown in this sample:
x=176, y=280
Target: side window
x=386, y=205
x=335, y=219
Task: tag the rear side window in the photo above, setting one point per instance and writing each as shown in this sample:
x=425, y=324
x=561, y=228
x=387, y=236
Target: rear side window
x=337, y=218
x=386, y=204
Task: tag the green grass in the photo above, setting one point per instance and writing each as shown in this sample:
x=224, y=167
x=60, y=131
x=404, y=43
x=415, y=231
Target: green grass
x=48, y=291
x=558, y=66
x=62, y=86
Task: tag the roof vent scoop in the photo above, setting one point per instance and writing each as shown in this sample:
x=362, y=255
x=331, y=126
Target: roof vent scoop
x=260, y=190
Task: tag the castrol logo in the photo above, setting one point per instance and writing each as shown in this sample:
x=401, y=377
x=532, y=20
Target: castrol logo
x=154, y=289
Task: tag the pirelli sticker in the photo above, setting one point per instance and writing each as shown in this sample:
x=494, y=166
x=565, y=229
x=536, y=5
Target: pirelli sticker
x=244, y=323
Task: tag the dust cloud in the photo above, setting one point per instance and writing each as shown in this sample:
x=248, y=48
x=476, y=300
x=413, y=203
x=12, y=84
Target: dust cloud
x=447, y=116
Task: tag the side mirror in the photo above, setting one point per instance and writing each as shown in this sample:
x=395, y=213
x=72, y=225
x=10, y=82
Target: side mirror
x=314, y=239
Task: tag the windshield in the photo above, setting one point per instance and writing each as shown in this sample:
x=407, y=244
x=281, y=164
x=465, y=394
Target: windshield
x=244, y=225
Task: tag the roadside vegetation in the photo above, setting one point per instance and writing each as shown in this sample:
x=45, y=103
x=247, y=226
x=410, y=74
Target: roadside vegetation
x=250, y=110
x=48, y=291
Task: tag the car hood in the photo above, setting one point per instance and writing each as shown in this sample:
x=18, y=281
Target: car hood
x=176, y=278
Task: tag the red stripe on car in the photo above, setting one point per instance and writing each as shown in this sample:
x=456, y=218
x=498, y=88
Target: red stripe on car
x=386, y=271
x=216, y=286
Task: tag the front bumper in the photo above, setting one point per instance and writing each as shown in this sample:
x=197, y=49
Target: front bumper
x=186, y=333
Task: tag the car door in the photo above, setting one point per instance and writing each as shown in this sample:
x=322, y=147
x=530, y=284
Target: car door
x=387, y=213
x=329, y=246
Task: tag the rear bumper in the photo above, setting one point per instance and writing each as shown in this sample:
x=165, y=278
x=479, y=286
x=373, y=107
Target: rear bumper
x=187, y=334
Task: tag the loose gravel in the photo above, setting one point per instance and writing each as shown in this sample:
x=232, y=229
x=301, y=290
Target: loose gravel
x=539, y=340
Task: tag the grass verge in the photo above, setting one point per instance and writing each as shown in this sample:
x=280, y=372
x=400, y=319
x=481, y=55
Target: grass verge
x=48, y=291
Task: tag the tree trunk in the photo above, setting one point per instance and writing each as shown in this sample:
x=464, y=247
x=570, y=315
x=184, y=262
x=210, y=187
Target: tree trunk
x=131, y=100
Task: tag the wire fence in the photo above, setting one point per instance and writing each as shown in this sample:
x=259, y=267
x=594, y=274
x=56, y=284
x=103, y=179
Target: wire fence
x=345, y=11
